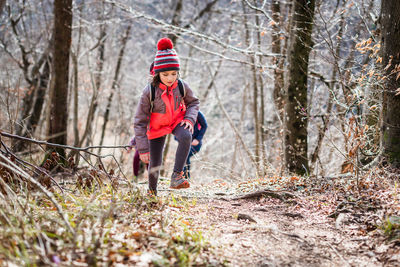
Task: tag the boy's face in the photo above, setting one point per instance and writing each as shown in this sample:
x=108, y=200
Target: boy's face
x=168, y=77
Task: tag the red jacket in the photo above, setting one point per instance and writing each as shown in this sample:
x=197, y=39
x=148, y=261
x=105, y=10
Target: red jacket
x=169, y=109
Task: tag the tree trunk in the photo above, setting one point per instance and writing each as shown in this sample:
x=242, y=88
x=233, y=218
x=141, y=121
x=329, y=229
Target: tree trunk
x=97, y=84
x=255, y=106
x=76, y=95
x=36, y=76
x=59, y=101
x=237, y=142
x=277, y=60
x=39, y=99
x=390, y=39
x=280, y=45
x=2, y=4
x=261, y=127
x=326, y=119
x=75, y=86
x=32, y=107
x=296, y=159
x=176, y=21
x=114, y=85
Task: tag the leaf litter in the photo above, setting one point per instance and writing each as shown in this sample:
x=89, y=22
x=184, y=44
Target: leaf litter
x=272, y=221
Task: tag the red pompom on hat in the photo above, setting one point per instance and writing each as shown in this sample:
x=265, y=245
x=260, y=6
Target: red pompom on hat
x=166, y=58
x=164, y=43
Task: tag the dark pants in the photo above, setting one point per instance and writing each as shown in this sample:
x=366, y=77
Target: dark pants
x=138, y=166
x=136, y=163
x=184, y=138
x=193, y=150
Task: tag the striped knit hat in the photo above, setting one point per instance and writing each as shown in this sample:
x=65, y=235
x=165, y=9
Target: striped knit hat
x=166, y=58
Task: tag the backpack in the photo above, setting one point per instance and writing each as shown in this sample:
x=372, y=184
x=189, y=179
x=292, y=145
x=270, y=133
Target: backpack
x=182, y=90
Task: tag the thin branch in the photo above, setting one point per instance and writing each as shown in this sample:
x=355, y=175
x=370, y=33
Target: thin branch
x=206, y=9
x=7, y=163
x=228, y=58
x=181, y=30
x=250, y=155
x=262, y=11
x=30, y=164
x=85, y=149
x=365, y=23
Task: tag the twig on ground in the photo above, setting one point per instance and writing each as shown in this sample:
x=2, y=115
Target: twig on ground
x=242, y=216
x=281, y=195
x=293, y=215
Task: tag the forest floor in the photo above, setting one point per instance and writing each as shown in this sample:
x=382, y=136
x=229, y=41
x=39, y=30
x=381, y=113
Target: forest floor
x=273, y=221
x=297, y=222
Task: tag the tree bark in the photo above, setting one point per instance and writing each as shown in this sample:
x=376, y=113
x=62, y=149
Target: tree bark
x=277, y=60
x=390, y=39
x=296, y=159
x=59, y=101
x=75, y=86
x=279, y=75
x=32, y=106
x=255, y=106
x=261, y=127
x=39, y=98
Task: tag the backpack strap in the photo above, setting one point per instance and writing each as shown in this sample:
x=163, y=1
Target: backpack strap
x=182, y=88
x=152, y=96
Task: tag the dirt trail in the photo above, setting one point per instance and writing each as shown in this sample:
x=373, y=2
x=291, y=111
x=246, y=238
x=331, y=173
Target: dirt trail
x=283, y=233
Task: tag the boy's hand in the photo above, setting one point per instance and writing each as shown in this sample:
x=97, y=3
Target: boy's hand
x=187, y=125
x=195, y=142
x=145, y=157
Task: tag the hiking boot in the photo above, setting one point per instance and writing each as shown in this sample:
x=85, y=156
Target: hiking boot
x=151, y=193
x=178, y=181
x=186, y=172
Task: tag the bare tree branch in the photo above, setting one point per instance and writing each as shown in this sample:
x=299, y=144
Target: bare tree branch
x=182, y=30
x=249, y=154
x=7, y=163
x=206, y=9
x=85, y=149
x=30, y=164
x=271, y=19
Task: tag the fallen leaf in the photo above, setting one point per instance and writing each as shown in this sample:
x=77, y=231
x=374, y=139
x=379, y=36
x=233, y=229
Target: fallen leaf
x=185, y=222
x=136, y=235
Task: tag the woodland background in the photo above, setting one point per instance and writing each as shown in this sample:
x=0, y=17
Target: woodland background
x=306, y=89
x=240, y=58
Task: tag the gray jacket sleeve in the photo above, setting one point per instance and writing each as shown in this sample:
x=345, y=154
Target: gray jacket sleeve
x=192, y=104
x=142, y=120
